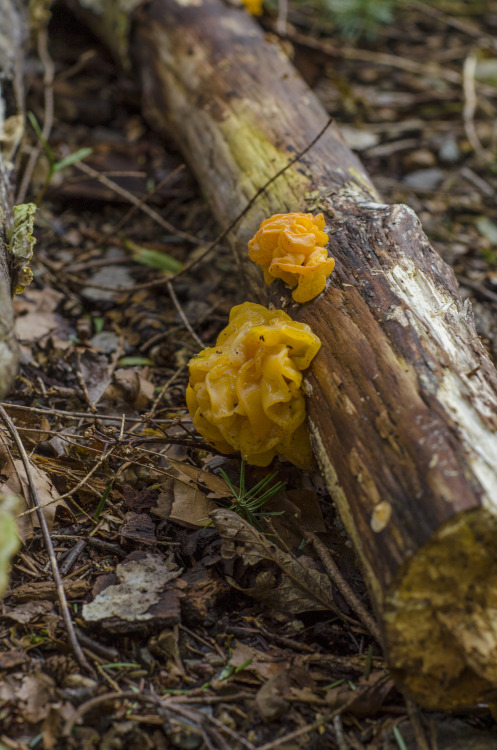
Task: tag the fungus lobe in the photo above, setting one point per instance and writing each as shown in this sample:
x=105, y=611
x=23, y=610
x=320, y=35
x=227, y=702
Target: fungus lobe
x=245, y=394
x=291, y=247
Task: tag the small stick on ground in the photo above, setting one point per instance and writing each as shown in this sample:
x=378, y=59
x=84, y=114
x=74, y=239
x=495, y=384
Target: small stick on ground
x=339, y=733
x=64, y=608
x=137, y=202
x=352, y=600
x=470, y=102
x=182, y=315
x=417, y=727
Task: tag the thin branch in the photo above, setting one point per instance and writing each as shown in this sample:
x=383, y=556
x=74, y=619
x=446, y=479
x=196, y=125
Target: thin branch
x=417, y=727
x=339, y=733
x=64, y=608
x=335, y=575
x=325, y=719
x=470, y=102
x=84, y=415
x=182, y=314
x=127, y=216
x=137, y=202
x=163, y=391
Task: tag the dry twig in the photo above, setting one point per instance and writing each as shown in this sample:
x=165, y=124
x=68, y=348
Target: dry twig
x=335, y=575
x=64, y=608
x=470, y=102
x=139, y=203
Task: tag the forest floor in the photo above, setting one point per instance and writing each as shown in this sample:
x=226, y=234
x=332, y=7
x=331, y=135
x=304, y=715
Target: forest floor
x=188, y=640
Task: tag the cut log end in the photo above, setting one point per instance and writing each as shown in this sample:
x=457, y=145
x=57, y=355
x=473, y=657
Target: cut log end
x=441, y=619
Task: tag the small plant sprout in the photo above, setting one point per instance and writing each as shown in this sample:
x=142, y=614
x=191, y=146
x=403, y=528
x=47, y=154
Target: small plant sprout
x=249, y=504
x=54, y=166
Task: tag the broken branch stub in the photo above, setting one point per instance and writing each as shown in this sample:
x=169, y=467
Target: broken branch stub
x=402, y=398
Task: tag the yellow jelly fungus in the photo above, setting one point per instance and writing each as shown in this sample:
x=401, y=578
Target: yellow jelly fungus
x=254, y=6
x=245, y=394
x=292, y=247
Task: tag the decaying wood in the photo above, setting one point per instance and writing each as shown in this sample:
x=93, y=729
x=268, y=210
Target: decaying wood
x=10, y=132
x=402, y=399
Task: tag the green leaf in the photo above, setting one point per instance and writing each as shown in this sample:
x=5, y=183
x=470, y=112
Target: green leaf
x=153, y=258
x=73, y=158
x=48, y=151
x=135, y=361
x=399, y=738
x=9, y=541
x=98, y=324
x=102, y=502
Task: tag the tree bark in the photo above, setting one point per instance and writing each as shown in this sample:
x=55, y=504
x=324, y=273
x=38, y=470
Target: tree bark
x=402, y=398
x=11, y=119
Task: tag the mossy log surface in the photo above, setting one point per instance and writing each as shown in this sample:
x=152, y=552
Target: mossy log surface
x=402, y=398
x=11, y=118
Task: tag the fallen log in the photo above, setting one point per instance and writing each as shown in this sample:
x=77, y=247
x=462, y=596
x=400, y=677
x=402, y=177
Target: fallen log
x=10, y=132
x=402, y=398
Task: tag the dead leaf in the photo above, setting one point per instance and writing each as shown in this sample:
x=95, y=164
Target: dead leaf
x=27, y=612
x=370, y=694
x=199, y=476
x=66, y=471
x=190, y=507
x=271, y=698
x=165, y=646
x=138, y=500
x=12, y=658
x=300, y=588
x=95, y=372
x=33, y=691
x=35, y=314
x=183, y=502
x=14, y=481
x=128, y=385
x=266, y=664
x=310, y=514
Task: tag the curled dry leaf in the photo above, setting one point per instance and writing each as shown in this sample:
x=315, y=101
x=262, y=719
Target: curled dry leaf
x=14, y=481
x=36, y=317
x=187, y=500
x=212, y=486
x=265, y=664
x=299, y=588
x=131, y=387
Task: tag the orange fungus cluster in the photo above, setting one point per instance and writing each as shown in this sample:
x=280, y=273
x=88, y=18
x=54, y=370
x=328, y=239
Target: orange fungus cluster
x=245, y=394
x=292, y=247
